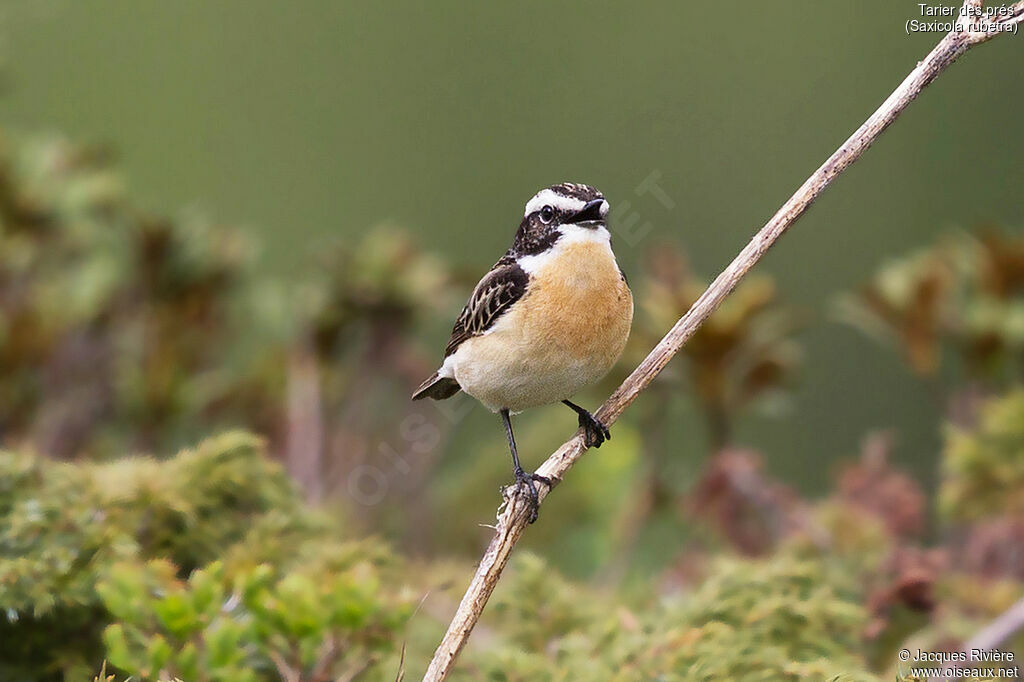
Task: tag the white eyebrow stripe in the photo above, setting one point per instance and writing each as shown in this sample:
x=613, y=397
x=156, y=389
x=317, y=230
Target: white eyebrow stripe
x=546, y=197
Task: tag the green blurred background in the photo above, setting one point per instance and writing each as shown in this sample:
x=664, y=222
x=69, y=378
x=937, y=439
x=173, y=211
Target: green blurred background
x=833, y=469
x=311, y=120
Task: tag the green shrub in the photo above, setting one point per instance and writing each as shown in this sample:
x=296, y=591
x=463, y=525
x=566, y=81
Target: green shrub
x=120, y=331
x=217, y=627
x=780, y=619
x=983, y=467
x=960, y=300
x=66, y=528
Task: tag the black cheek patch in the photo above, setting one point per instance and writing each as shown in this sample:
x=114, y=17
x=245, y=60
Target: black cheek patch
x=533, y=237
x=538, y=242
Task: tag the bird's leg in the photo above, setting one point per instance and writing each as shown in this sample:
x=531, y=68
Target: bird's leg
x=596, y=432
x=523, y=477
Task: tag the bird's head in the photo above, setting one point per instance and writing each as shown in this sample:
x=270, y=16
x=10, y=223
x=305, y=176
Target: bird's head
x=567, y=204
x=558, y=210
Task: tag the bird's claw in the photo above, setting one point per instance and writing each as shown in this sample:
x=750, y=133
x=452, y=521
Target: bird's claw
x=594, y=431
x=528, y=480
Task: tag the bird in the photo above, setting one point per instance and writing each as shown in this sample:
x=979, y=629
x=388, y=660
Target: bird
x=552, y=316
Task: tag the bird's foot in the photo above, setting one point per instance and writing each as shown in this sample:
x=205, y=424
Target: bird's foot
x=527, y=480
x=594, y=431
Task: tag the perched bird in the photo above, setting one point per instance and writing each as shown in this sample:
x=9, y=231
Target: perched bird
x=551, y=317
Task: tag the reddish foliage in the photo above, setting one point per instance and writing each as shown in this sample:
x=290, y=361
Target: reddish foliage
x=993, y=548
x=873, y=486
x=907, y=579
x=751, y=510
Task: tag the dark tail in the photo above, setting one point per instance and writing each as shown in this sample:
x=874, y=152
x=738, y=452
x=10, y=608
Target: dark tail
x=437, y=388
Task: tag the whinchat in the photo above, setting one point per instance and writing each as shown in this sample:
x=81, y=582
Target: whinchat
x=551, y=317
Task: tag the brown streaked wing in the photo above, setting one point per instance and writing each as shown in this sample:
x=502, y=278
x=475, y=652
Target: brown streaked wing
x=496, y=292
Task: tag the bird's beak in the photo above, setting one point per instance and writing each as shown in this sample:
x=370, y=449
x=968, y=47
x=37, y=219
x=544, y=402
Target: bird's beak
x=591, y=212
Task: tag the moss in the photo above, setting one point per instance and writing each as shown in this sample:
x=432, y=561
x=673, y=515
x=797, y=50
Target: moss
x=786, y=618
x=983, y=467
x=75, y=540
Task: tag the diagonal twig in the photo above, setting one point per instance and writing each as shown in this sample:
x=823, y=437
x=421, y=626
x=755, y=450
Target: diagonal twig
x=514, y=517
x=1009, y=623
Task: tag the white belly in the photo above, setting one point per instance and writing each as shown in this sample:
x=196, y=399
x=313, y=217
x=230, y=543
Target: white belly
x=500, y=379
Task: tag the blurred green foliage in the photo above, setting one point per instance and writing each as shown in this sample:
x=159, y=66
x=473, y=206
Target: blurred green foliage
x=780, y=619
x=983, y=467
x=960, y=302
x=744, y=354
x=74, y=545
x=310, y=624
x=119, y=331
x=386, y=281
x=122, y=332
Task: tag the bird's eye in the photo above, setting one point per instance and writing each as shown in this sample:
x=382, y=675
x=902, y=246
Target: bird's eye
x=547, y=214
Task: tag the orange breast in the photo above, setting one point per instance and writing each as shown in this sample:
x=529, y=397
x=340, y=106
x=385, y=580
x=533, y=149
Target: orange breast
x=579, y=305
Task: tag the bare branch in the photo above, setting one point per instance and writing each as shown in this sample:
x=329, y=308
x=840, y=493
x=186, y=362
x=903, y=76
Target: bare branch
x=998, y=631
x=514, y=515
x=304, y=443
x=1009, y=623
x=287, y=673
x=1015, y=16
x=978, y=24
